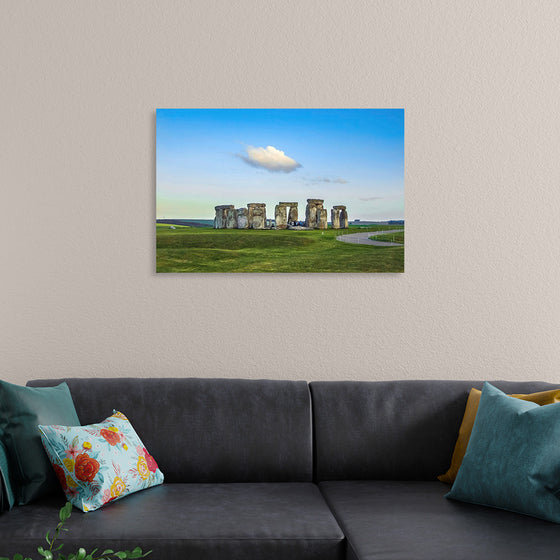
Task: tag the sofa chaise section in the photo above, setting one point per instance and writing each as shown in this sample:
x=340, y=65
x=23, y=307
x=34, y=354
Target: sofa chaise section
x=379, y=447
x=404, y=520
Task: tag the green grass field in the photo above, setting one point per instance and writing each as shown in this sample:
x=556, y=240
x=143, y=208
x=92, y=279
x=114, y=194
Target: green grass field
x=392, y=237
x=190, y=249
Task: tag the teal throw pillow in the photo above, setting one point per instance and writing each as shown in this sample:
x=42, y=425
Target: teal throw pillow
x=513, y=457
x=21, y=410
x=99, y=463
x=7, y=498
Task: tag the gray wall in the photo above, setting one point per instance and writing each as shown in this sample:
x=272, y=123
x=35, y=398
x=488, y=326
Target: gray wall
x=479, y=81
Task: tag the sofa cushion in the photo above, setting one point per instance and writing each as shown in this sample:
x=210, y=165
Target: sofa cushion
x=99, y=463
x=393, y=430
x=398, y=520
x=209, y=430
x=21, y=409
x=272, y=521
x=541, y=398
x=513, y=458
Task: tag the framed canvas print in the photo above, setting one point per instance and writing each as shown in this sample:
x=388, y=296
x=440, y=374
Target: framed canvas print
x=280, y=190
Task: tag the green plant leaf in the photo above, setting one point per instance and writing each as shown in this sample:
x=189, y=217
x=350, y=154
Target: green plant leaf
x=121, y=555
x=18, y=557
x=104, y=553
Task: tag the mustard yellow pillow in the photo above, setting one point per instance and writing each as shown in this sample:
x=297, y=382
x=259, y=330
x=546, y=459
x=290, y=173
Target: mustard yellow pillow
x=541, y=398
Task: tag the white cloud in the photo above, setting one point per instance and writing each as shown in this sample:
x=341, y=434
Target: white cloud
x=269, y=158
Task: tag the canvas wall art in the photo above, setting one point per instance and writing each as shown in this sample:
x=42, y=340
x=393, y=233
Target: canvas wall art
x=280, y=190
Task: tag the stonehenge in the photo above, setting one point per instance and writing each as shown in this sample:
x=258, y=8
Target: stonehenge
x=221, y=219
x=254, y=216
x=315, y=214
x=339, y=217
x=281, y=215
x=313, y=204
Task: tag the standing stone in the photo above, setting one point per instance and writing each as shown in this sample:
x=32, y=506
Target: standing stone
x=259, y=218
x=220, y=220
x=242, y=218
x=256, y=215
x=293, y=215
x=344, y=219
x=231, y=218
x=311, y=216
x=322, y=218
x=280, y=216
x=312, y=213
x=335, y=218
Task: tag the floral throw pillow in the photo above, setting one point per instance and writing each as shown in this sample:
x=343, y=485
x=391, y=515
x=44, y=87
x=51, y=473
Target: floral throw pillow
x=99, y=463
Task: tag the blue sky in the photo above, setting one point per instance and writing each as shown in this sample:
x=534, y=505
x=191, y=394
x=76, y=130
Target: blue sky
x=210, y=157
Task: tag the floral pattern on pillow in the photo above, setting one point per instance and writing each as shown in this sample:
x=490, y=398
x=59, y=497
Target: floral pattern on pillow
x=99, y=463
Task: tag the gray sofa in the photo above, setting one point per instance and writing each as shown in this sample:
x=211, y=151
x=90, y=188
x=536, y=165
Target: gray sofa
x=285, y=470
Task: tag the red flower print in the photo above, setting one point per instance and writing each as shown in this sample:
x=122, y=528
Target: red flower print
x=152, y=465
x=61, y=475
x=112, y=437
x=86, y=467
x=72, y=451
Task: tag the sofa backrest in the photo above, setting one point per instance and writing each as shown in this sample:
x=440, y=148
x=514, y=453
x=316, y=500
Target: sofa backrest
x=392, y=430
x=208, y=430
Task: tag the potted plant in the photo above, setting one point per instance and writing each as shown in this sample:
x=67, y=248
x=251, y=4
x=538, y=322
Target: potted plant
x=53, y=553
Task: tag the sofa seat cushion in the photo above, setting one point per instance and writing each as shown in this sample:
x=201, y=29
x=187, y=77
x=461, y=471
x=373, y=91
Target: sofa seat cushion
x=272, y=521
x=397, y=520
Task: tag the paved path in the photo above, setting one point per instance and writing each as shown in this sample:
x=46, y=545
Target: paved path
x=363, y=238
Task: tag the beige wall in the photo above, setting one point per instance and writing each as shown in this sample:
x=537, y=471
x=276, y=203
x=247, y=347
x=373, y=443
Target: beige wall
x=79, y=85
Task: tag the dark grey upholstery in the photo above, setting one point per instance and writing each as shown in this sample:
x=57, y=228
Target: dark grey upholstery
x=209, y=430
x=238, y=462
x=394, y=430
x=268, y=521
x=395, y=520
